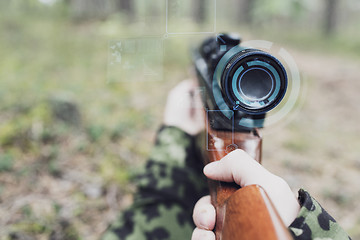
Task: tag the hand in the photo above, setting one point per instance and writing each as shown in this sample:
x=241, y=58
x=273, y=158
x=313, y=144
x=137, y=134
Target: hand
x=184, y=108
x=240, y=168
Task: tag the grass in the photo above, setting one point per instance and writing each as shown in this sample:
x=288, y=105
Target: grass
x=49, y=58
x=71, y=176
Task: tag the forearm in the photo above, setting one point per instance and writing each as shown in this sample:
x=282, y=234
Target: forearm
x=168, y=187
x=313, y=222
x=174, y=170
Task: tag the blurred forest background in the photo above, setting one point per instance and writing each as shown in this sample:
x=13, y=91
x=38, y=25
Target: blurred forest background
x=70, y=137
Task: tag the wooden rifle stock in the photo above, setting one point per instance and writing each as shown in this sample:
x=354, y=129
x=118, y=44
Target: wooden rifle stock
x=242, y=213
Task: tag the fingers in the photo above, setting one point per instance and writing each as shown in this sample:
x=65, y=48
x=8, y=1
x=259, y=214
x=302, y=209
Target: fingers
x=238, y=167
x=201, y=234
x=184, y=86
x=204, y=218
x=186, y=94
x=184, y=108
x=204, y=214
x=242, y=169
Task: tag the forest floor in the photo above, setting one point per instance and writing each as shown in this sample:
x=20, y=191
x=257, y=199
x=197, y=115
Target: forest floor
x=70, y=141
x=320, y=149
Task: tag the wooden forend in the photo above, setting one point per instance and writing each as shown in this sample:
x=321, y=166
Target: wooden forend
x=245, y=213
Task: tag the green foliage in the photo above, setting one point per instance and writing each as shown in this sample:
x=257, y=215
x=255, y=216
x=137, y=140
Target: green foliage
x=27, y=211
x=298, y=144
x=54, y=168
x=6, y=162
x=268, y=9
x=95, y=132
x=112, y=171
x=31, y=227
x=345, y=44
x=22, y=127
x=336, y=196
x=46, y=54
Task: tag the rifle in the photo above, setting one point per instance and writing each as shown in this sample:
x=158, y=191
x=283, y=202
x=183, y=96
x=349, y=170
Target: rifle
x=240, y=86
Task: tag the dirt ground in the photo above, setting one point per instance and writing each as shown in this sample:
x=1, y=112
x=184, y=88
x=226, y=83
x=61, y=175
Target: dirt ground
x=320, y=149
x=86, y=181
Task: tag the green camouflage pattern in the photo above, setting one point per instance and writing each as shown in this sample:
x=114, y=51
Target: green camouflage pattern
x=313, y=222
x=167, y=190
x=171, y=183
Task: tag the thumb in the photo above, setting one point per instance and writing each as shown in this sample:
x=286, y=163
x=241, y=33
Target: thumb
x=238, y=167
x=242, y=169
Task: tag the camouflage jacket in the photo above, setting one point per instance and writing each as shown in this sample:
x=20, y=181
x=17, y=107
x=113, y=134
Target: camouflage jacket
x=172, y=182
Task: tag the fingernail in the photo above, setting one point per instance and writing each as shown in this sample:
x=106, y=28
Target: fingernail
x=204, y=218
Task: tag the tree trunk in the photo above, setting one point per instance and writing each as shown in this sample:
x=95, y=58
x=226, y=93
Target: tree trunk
x=246, y=11
x=200, y=11
x=86, y=9
x=127, y=7
x=330, y=16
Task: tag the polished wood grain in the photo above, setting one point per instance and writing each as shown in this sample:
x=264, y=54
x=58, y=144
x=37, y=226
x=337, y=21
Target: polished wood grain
x=242, y=213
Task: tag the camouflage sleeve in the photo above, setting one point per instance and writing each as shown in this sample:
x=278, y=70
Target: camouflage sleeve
x=313, y=222
x=168, y=189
